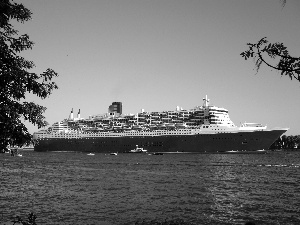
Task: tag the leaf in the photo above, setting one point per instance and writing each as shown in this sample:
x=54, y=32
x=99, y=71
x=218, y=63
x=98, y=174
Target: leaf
x=16, y=80
x=287, y=65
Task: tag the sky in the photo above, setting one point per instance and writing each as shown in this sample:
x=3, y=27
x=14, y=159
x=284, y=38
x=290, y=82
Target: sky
x=159, y=54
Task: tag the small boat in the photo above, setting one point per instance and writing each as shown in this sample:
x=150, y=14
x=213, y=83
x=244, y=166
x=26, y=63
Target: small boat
x=157, y=153
x=91, y=154
x=232, y=151
x=20, y=155
x=114, y=153
x=138, y=150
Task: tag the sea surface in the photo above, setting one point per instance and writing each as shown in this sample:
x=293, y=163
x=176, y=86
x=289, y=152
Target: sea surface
x=75, y=188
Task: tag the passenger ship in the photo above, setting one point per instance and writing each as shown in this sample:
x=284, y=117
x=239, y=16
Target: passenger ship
x=203, y=129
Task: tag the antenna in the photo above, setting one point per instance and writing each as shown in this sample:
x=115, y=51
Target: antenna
x=205, y=101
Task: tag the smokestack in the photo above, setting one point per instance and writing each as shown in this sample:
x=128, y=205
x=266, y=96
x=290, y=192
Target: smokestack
x=71, y=117
x=78, y=115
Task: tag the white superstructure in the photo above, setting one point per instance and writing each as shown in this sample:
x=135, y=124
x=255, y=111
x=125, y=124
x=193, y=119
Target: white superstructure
x=203, y=119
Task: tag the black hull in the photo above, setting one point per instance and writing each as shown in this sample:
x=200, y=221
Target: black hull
x=200, y=143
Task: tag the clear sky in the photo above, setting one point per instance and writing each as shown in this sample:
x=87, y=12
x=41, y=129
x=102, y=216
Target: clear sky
x=159, y=54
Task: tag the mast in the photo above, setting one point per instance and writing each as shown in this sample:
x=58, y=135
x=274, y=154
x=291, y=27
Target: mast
x=205, y=102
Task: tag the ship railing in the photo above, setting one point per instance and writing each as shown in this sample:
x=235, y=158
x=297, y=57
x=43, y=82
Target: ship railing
x=124, y=133
x=143, y=133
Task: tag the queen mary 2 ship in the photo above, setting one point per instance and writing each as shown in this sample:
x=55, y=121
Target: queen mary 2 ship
x=201, y=129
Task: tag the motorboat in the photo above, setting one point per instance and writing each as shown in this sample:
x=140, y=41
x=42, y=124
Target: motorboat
x=91, y=154
x=114, y=153
x=138, y=150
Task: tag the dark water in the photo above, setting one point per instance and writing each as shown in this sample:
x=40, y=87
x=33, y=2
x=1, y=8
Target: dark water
x=74, y=188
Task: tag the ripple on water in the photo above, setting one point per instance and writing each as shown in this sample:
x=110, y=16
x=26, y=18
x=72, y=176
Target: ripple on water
x=71, y=188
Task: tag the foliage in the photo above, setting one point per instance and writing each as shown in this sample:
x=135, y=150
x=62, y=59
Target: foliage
x=16, y=80
x=30, y=221
x=287, y=142
x=288, y=65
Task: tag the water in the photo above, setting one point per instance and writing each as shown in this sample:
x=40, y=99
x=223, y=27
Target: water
x=74, y=188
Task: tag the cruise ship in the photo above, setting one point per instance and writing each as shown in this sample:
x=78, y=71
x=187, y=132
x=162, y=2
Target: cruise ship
x=203, y=129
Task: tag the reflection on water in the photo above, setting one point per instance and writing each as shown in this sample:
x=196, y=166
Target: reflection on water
x=73, y=188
